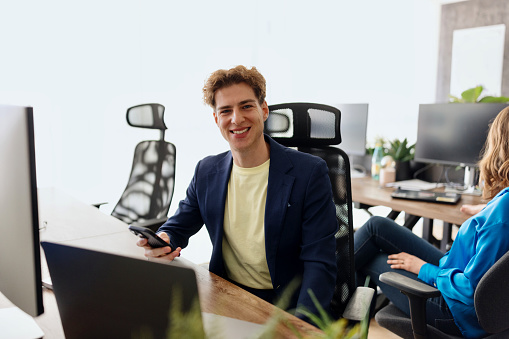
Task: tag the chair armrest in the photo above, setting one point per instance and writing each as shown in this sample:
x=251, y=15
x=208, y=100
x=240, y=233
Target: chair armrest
x=417, y=294
x=408, y=285
x=153, y=224
x=359, y=304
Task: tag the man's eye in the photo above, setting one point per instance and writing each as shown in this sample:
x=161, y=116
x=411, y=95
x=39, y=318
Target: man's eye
x=247, y=106
x=226, y=111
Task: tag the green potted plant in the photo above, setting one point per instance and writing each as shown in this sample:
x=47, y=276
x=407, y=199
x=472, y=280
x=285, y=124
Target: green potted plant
x=402, y=152
x=472, y=95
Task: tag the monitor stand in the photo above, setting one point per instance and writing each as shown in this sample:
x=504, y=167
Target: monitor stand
x=469, y=183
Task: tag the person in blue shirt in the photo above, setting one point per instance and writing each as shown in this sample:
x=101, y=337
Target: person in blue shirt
x=381, y=245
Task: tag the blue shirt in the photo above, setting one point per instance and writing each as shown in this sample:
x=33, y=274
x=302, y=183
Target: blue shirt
x=480, y=242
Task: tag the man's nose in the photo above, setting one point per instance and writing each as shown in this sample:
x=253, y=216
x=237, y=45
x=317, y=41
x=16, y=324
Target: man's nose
x=238, y=117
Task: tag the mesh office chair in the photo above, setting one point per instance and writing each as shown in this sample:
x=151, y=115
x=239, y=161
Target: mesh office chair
x=491, y=300
x=312, y=128
x=149, y=191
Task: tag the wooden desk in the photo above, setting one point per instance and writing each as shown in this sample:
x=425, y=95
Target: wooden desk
x=367, y=191
x=71, y=222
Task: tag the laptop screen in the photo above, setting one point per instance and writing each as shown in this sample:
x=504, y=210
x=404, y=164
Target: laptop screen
x=101, y=295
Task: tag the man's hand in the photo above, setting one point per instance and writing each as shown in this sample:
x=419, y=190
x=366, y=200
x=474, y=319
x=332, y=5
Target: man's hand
x=164, y=253
x=405, y=261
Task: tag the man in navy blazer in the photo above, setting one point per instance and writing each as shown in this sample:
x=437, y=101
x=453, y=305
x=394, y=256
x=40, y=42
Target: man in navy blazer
x=268, y=209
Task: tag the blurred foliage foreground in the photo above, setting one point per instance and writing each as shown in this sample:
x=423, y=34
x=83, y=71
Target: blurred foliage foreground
x=189, y=324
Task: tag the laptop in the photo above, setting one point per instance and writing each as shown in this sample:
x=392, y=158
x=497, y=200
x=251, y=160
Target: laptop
x=438, y=197
x=102, y=295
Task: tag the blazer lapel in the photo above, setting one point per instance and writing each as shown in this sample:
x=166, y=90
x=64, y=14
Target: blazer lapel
x=279, y=189
x=217, y=184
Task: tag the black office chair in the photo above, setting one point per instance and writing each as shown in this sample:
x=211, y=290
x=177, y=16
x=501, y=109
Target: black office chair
x=313, y=128
x=149, y=191
x=491, y=300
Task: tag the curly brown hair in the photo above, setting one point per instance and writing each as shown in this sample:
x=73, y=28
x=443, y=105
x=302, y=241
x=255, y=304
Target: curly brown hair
x=494, y=165
x=224, y=78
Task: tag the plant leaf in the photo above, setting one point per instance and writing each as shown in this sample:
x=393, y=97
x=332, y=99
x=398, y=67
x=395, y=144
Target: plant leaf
x=472, y=94
x=313, y=317
x=323, y=314
x=491, y=99
x=400, y=150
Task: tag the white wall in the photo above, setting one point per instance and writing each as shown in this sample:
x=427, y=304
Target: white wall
x=82, y=64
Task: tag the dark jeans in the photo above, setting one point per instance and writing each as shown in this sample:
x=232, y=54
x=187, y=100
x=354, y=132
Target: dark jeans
x=380, y=237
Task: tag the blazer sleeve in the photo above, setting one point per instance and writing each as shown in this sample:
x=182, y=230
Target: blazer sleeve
x=319, y=226
x=187, y=220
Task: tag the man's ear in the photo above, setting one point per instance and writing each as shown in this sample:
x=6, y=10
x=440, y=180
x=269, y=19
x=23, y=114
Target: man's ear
x=265, y=109
x=215, y=116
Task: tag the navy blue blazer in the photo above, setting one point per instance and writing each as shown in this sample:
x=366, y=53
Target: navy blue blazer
x=300, y=220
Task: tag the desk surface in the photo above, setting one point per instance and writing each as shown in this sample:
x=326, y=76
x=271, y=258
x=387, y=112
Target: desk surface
x=63, y=218
x=367, y=191
x=75, y=223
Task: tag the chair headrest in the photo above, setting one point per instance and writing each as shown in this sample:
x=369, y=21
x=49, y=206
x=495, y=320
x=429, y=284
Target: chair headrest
x=302, y=124
x=146, y=116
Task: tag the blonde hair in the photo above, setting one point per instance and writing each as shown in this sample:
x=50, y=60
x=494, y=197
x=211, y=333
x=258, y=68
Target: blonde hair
x=225, y=78
x=494, y=165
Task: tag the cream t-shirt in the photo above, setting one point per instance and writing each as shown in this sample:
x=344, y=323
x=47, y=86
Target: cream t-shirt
x=244, y=234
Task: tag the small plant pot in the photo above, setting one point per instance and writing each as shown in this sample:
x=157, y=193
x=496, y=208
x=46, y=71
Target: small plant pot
x=403, y=170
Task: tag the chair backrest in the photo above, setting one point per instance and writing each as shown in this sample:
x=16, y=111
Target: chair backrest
x=149, y=191
x=304, y=124
x=491, y=297
x=312, y=128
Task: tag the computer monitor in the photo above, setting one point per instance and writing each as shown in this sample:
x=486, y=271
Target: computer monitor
x=454, y=134
x=353, y=127
x=20, y=261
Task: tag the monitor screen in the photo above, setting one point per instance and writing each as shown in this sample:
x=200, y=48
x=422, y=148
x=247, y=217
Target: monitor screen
x=353, y=127
x=453, y=133
x=20, y=262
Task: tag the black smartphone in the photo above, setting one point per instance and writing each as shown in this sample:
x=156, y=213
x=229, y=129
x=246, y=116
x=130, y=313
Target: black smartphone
x=153, y=239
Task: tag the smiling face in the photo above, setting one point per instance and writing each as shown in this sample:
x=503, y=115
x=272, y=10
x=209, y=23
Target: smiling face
x=240, y=118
